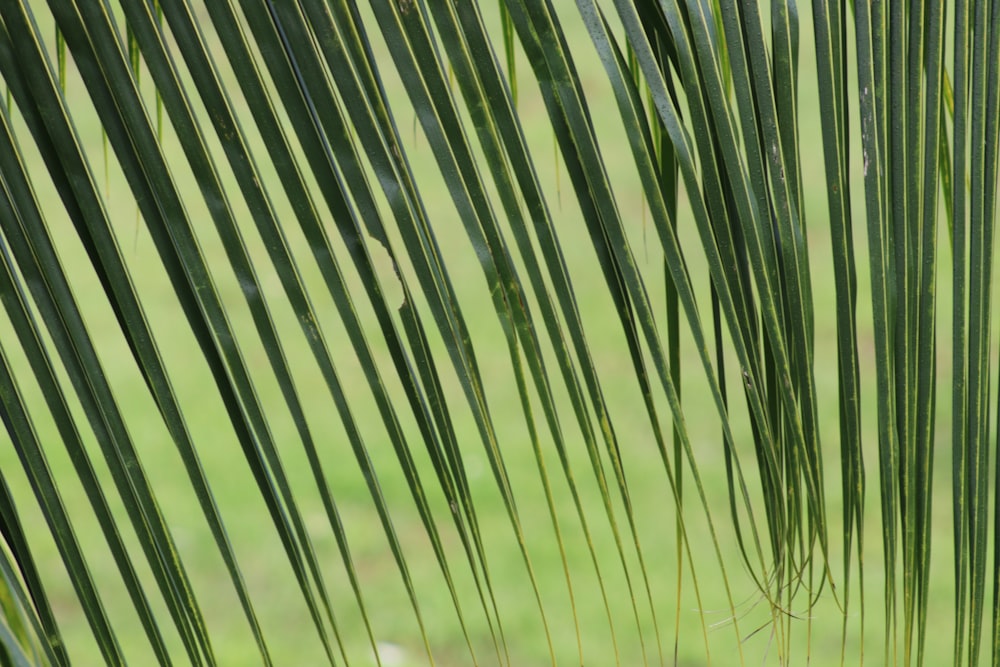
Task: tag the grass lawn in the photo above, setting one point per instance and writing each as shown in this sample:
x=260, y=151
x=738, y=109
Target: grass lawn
x=648, y=614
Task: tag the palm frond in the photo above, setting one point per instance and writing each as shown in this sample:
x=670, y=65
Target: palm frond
x=315, y=350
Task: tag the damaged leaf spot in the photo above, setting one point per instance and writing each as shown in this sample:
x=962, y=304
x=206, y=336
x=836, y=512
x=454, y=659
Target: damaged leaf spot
x=387, y=274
